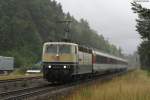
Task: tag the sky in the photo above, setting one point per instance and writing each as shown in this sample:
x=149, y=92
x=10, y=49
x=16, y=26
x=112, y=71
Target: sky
x=114, y=19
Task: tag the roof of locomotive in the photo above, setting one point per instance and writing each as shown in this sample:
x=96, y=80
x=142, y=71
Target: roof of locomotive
x=67, y=43
x=109, y=56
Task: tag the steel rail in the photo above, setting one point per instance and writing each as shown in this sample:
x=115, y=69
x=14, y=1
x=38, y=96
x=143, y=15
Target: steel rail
x=20, y=92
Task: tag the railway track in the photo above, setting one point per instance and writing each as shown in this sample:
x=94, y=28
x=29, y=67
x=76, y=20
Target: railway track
x=51, y=90
x=23, y=93
x=20, y=83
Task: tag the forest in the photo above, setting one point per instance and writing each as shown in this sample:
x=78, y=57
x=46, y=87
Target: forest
x=143, y=29
x=26, y=24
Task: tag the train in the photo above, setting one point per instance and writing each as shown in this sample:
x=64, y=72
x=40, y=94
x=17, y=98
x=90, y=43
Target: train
x=64, y=61
x=6, y=64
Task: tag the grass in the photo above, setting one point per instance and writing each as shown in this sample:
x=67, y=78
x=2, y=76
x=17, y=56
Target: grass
x=133, y=86
x=18, y=74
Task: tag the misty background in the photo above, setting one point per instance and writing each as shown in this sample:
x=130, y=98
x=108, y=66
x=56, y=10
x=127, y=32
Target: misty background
x=113, y=19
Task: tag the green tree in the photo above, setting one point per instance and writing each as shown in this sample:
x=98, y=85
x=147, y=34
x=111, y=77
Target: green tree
x=143, y=28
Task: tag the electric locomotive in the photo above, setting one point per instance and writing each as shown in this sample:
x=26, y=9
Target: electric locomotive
x=59, y=60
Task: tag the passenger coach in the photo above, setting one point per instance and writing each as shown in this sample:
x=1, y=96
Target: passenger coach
x=103, y=62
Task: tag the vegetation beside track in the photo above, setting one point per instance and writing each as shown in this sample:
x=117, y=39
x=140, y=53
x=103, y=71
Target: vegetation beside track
x=17, y=76
x=133, y=86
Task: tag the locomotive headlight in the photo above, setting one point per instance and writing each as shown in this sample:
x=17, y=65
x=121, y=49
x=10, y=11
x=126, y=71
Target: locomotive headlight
x=49, y=66
x=65, y=67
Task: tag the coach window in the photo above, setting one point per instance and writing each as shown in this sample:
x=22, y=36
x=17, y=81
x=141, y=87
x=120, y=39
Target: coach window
x=120, y=62
x=115, y=61
x=105, y=60
x=101, y=59
x=123, y=63
x=109, y=60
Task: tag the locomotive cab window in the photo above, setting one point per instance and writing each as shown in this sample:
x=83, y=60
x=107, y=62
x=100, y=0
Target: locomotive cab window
x=52, y=49
x=64, y=49
x=60, y=49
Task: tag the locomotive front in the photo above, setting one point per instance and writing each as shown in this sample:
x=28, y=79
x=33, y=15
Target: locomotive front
x=59, y=61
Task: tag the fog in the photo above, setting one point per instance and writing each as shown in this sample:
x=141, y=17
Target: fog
x=114, y=19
